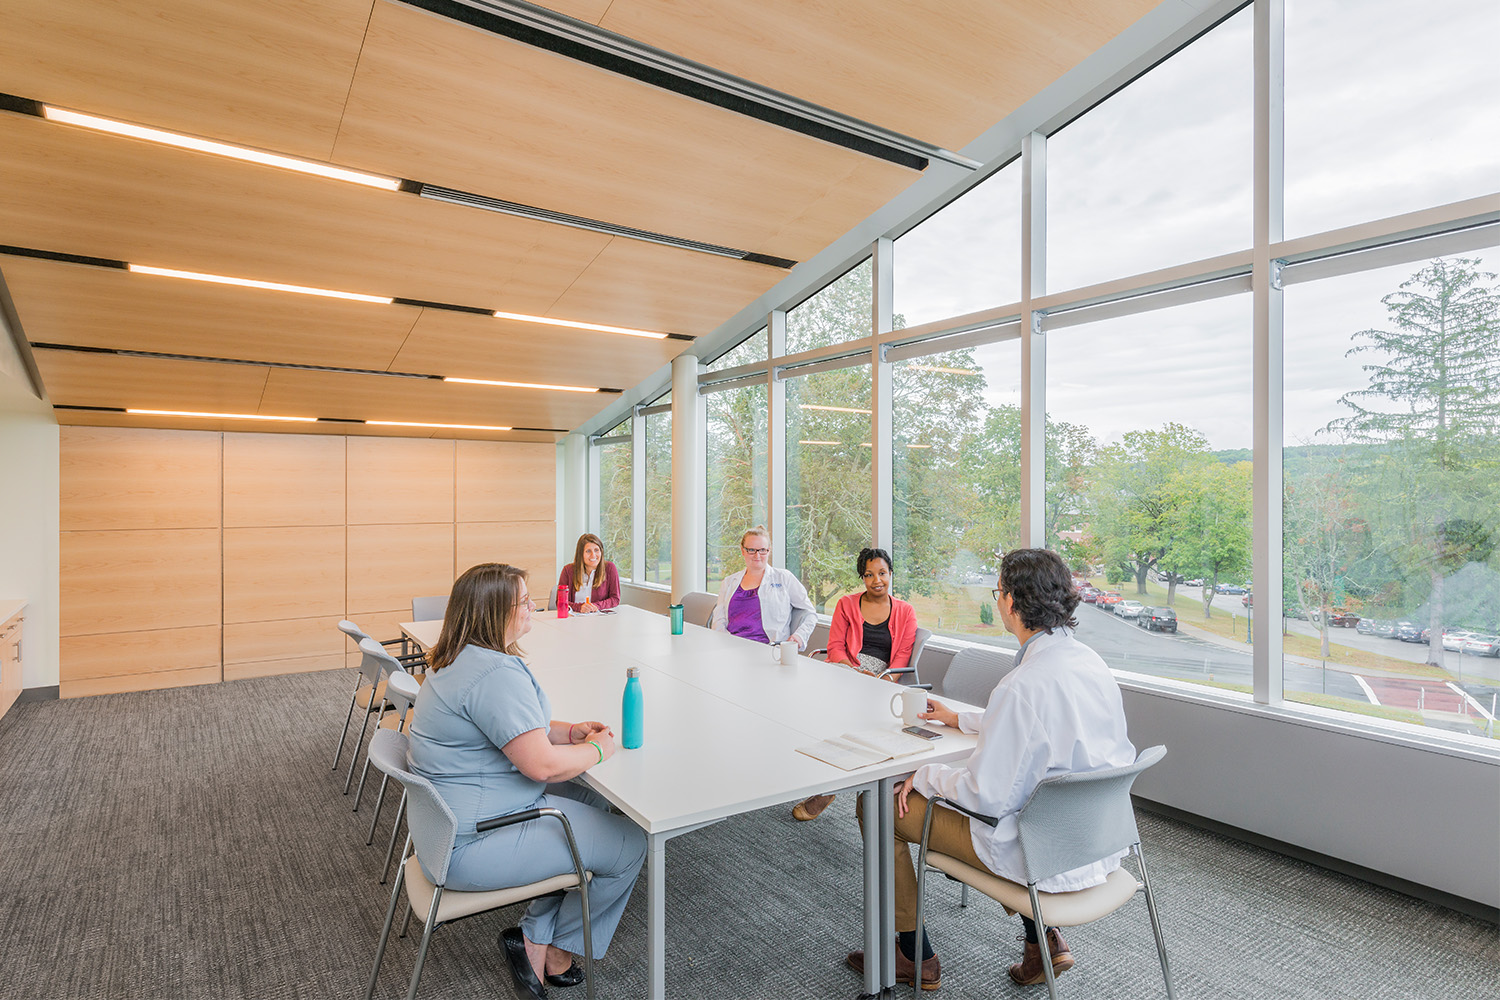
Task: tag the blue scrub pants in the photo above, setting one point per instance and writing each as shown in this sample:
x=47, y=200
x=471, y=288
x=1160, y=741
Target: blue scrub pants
x=611, y=846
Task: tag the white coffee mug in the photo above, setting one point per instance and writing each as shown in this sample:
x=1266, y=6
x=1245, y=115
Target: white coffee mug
x=912, y=702
x=788, y=651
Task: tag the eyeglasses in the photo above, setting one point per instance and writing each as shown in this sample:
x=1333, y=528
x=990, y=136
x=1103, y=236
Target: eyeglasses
x=755, y=552
x=995, y=593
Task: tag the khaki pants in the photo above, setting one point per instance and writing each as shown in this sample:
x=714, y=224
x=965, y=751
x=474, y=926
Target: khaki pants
x=950, y=835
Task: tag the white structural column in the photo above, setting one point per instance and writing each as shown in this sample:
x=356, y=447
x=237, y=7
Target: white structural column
x=1033, y=342
x=637, y=495
x=1266, y=492
x=689, y=509
x=882, y=453
x=776, y=446
x=574, y=502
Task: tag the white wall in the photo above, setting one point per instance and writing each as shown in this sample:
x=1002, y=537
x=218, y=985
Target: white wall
x=28, y=514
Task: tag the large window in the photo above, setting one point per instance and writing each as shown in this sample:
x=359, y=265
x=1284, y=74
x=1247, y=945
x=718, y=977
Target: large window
x=750, y=350
x=658, y=567
x=827, y=479
x=615, y=496
x=964, y=258
x=956, y=497
x=1149, y=480
x=1159, y=174
x=1390, y=108
x=736, y=469
x=1392, y=479
x=837, y=314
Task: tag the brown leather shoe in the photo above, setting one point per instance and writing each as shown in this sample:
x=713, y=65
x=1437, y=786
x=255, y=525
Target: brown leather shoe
x=811, y=808
x=906, y=969
x=1028, y=971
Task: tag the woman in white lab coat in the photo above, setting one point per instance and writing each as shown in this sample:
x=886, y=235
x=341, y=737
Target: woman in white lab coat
x=757, y=602
x=1057, y=712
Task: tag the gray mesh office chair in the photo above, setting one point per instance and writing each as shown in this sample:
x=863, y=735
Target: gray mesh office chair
x=974, y=673
x=429, y=848
x=367, y=693
x=429, y=609
x=401, y=690
x=698, y=607
x=906, y=675
x=397, y=693
x=1069, y=821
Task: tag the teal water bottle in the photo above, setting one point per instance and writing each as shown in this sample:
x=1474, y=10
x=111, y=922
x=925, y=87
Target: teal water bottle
x=634, y=710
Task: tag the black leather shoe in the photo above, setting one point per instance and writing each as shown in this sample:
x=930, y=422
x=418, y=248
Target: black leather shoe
x=513, y=946
x=571, y=976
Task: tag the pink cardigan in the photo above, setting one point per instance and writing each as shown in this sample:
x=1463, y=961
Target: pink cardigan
x=847, y=633
x=606, y=591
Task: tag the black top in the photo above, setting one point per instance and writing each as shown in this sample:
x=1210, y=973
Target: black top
x=877, y=641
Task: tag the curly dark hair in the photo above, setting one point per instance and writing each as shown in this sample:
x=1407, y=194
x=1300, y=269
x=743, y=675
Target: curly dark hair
x=1041, y=587
x=866, y=556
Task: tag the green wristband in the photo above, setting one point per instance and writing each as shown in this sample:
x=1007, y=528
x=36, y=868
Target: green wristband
x=596, y=746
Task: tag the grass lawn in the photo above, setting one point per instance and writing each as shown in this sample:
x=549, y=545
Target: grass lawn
x=1230, y=626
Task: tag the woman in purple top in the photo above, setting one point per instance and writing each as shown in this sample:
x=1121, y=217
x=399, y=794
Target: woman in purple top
x=758, y=601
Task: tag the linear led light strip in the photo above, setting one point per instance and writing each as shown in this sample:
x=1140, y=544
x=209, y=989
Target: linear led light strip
x=274, y=286
x=217, y=148
x=862, y=444
x=312, y=420
x=836, y=409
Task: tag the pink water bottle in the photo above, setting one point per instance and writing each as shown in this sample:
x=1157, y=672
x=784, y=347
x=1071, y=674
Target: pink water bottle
x=562, y=600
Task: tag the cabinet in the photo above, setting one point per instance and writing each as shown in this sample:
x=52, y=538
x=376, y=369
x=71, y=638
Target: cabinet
x=12, y=615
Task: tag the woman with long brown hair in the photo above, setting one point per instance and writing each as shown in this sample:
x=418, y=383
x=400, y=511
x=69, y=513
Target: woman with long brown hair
x=593, y=582
x=484, y=735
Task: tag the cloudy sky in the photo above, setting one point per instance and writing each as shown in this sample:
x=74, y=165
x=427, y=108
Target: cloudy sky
x=1391, y=107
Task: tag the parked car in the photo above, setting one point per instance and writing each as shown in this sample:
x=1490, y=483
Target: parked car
x=1385, y=628
x=1229, y=588
x=1158, y=620
x=1129, y=609
x=1088, y=595
x=1337, y=618
x=1108, y=599
x=1365, y=626
x=1193, y=583
x=1427, y=637
x=1248, y=600
x=1483, y=645
x=1455, y=640
x=1408, y=632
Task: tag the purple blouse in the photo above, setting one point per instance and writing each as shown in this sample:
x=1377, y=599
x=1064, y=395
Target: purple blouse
x=744, y=615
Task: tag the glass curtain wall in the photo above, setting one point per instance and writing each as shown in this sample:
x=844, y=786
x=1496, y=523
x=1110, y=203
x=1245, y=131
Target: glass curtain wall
x=615, y=499
x=835, y=315
x=736, y=469
x=658, y=471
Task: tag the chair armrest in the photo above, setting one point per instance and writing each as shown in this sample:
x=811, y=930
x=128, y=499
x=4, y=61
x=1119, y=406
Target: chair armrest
x=497, y=822
x=526, y=816
x=815, y=652
x=950, y=804
x=901, y=672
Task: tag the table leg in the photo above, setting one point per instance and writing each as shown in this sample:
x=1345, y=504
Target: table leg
x=885, y=797
x=874, y=898
x=656, y=916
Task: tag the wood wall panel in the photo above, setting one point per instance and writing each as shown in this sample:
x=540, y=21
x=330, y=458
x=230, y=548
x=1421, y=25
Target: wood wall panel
x=271, y=668
x=117, y=654
x=277, y=573
x=284, y=640
x=506, y=482
x=142, y=682
x=389, y=564
x=128, y=479
x=400, y=481
x=134, y=581
x=273, y=480
x=378, y=625
x=528, y=544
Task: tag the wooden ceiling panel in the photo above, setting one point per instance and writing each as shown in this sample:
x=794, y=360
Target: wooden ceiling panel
x=94, y=418
x=74, y=191
x=938, y=71
x=152, y=383
x=580, y=10
x=97, y=307
x=456, y=106
x=272, y=73
x=373, y=397
x=686, y=293
x=450, y=343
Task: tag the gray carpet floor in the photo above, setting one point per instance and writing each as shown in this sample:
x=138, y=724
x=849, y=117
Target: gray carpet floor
x=193, y=843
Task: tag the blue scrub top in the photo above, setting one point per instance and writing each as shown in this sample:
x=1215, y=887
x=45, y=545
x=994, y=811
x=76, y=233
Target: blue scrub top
x=464, y=714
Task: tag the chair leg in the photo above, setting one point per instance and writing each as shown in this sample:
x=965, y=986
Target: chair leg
x=1161, y=943
x=375, y=818
x=390, y=851
x=963, y=894
x=416, y=974
x=1041, y=943
x=385, y=933
x=345, y=733
x=588, y=939
x=349, y=778
x=364, y=772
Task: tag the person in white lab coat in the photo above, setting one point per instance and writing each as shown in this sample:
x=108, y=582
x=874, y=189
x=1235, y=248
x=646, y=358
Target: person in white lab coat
x=1057, y=712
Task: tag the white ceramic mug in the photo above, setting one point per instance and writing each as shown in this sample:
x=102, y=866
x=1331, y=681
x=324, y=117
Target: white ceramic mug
x=788, y=651
x=907, y=705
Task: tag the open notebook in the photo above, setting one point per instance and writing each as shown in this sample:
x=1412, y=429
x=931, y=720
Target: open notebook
x=870, y=746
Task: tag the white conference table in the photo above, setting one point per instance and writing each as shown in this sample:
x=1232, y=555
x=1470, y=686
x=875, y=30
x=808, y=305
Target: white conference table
x=723, y=724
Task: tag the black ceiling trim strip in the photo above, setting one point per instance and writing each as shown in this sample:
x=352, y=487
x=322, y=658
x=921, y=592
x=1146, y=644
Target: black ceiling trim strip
x=497, y=24
x=338, y=420
x=66, y=258
x=765, y=258
x=20, y=105
x=91, y=409
x=206, y=359
x=424, y=304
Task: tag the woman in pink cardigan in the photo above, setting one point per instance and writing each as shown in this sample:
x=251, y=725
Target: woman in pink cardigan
x=593, y=582
x=872, y=632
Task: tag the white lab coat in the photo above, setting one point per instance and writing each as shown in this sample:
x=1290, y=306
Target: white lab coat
x=780, y=592
x=1059, y=712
